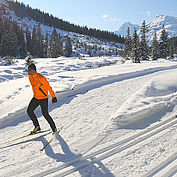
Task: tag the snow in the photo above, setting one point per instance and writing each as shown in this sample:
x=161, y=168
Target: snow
x=123, y=29
x=121, y=122
x=156, y=25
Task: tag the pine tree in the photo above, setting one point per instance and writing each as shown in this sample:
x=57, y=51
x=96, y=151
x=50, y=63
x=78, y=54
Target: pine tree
x=39, y=42
x=85, y=47
x=171, y=50
x=60, y=45
x=90, y=50
x=22, y=45
x=164, y=44
x=53, y=51
x=143, y=43
x=34, y=50
x=45, y=45
x=8, y=43
x=28, y=41
x=110, y=52
x=28, y=60
x=68, y=47
x=127, y=49
x=20, y=39
x=155, y=48
x=135, y=48
x=116, y=53
x=1, y=27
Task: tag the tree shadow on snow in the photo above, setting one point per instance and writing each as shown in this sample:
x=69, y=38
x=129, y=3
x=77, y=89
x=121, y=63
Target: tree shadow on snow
x=96, y=169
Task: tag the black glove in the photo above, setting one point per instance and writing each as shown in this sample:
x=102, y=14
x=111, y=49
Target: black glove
x=54, y=100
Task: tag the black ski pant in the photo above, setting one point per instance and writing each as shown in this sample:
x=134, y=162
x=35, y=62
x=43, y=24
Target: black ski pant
x=34, y=103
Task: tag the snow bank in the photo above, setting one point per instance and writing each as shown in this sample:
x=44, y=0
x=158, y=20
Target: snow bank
x=154, y=97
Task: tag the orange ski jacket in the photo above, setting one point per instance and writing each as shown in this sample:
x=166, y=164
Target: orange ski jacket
x=40, y=86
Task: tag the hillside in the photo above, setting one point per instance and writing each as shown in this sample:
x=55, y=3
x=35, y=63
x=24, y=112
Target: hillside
x=25, y=16
x=156, y=25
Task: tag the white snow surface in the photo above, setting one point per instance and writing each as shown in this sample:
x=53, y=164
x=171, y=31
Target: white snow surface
x=156, y=25
x=121, y=123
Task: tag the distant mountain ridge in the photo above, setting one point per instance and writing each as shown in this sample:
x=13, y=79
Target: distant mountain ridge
x=156, y=25
x=123, y=29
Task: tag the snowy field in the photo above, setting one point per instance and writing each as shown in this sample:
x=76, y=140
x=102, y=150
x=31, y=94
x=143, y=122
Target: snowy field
x=118, y=119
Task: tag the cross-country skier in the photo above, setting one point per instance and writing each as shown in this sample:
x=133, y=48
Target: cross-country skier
x=40, y=87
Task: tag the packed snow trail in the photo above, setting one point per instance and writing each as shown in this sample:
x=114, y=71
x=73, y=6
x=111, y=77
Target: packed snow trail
x=92, y=124
x=115, y=148
x=159, y=169
x=79, y=107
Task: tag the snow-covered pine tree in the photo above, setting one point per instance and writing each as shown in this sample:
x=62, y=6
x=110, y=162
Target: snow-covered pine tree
x=110, y=52
x=1, y=27
x=143, y=42
x=90, y=50
x=127, y=49
x=28, y=61
x=164, y=44
x=171, y=50
x=39, y=42
x=85, y=46
x=60, y=45
x=8, y=43
x=20, y=39
x=135, y=48
x=155, y=48
x=116, y=51
x=68, y=47
x=34, y=43
x=45, y=45
x=53, y=51
x=28, y=41
x=22, y=45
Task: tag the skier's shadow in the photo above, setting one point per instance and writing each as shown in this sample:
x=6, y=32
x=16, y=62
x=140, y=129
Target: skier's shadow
x=97, y=169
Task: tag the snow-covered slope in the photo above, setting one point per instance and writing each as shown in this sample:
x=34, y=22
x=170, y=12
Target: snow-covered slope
x=26, y=22
x=123, y=29
x=121, y=123
x=78, y=40
x=156, y=25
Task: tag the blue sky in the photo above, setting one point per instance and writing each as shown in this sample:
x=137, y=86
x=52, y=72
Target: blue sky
x=105, y=14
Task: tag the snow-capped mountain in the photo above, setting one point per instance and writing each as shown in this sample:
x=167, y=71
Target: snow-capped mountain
x=123, y=29
x=156, y=25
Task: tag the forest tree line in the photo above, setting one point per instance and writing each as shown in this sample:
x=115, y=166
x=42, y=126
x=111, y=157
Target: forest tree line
x=14, y=41
x=137, y=48
x=49, y=20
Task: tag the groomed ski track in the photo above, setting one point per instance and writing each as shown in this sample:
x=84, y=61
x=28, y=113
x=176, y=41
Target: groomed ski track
x=127, y=143
x=116, y=148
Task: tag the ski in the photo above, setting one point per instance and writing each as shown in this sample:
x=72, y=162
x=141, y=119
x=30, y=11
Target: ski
x=48, y=142
x=42, y=131
x=51, y=139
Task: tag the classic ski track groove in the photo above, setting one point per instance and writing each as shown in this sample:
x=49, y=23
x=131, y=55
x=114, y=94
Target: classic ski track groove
x=112, y=149
x=163, y=165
